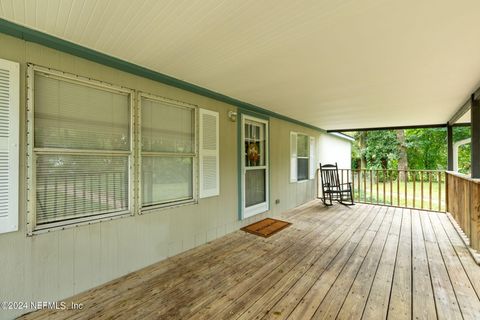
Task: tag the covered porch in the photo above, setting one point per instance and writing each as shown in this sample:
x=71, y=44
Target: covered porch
x=362, y=262
x=139, y=137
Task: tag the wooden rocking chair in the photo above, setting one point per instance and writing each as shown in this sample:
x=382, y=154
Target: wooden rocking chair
x=332, y=189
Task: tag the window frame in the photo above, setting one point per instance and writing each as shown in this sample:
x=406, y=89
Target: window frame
x=194, y=155
x=32, y=227
x=311, y=159
x=303, y=157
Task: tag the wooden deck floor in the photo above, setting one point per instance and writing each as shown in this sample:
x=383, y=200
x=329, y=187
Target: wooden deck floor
x=366, y=262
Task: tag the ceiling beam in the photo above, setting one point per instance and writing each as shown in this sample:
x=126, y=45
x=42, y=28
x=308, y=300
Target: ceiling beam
x=439, y=125
x=475, y=144
x=460, y=112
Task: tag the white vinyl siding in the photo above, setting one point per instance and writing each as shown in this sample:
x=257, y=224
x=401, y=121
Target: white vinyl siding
x=168, y=152
x=209, y=153
x=82, y=151
x=9, y=139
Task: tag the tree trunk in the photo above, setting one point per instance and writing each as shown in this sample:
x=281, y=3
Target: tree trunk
x=363, y=146
x=402, y=154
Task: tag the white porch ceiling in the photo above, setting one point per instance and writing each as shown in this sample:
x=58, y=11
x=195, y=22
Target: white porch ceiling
x=330, y=63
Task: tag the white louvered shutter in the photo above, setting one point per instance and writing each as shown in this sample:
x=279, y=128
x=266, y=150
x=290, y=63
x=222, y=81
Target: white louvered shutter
x=209, y=153
x=312, y=161
x=9, y=135
x=293, y=157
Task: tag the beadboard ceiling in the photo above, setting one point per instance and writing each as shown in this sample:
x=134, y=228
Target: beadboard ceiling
x=330, y=63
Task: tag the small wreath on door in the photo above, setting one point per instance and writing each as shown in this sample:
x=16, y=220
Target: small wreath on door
x=252, y=152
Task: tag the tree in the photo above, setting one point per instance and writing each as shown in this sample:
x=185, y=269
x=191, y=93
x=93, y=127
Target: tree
x=427, y=148
x=381, y=149
x=406, y=149
x=362, y=137
x=402, y=153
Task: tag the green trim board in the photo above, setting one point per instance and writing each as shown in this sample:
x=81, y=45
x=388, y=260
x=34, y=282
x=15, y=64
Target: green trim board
x=31, y=35
x=239, y=165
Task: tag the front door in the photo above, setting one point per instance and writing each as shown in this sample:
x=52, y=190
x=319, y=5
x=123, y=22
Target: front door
x=254, y=166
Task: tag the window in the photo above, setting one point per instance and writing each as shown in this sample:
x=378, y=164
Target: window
x=302, y=157
x=80, y=150
x=168, y=152
x=93, y=155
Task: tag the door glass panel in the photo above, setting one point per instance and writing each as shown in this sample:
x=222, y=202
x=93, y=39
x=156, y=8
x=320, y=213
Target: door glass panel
x=254, y=187
x=254, y=144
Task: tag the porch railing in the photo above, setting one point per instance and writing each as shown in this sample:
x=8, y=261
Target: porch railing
x=463, y=195
x=419, y=189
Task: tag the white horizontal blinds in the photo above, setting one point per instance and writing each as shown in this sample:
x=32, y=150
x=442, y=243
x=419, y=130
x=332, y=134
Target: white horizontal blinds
x=167, y=127
x=293, y=156
x=82, y=149
x=73, y=115
x=209, y=153
x=9, y=135
x=312, y=160
x=72, y=186
x=168, y=150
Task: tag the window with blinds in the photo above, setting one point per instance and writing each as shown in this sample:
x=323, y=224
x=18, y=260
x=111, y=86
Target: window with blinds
x=81, y=148
x=168, y=152
x=302, y=157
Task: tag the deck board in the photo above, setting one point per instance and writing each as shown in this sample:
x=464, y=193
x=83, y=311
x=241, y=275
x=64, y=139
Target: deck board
x=400, y=306
x=379, y=295
x=367, y=261
x=423, y=303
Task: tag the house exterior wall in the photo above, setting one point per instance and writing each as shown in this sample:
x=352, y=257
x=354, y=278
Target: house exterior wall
x=335, y=149
x=61, y=263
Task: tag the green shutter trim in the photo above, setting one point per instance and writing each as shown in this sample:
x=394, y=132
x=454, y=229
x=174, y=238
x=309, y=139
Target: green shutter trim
x=53, y=42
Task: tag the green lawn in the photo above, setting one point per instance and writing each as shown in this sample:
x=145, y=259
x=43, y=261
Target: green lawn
x=413, y=198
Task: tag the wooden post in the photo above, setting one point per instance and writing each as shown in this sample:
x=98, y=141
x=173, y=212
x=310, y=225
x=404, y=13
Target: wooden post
x=384, y=178
x=359, y=189
x=391, y=188
x=446, y=192
x=450, y=148
x=414, y=184
x=439, y=191
x=371, y=186
x=365, y=186
x=421, y=189
x=475, y=145
x=430, y=190
x=353, y=183
x=398, y=188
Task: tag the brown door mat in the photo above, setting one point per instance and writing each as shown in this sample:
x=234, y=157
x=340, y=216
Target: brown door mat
x=266, y=227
